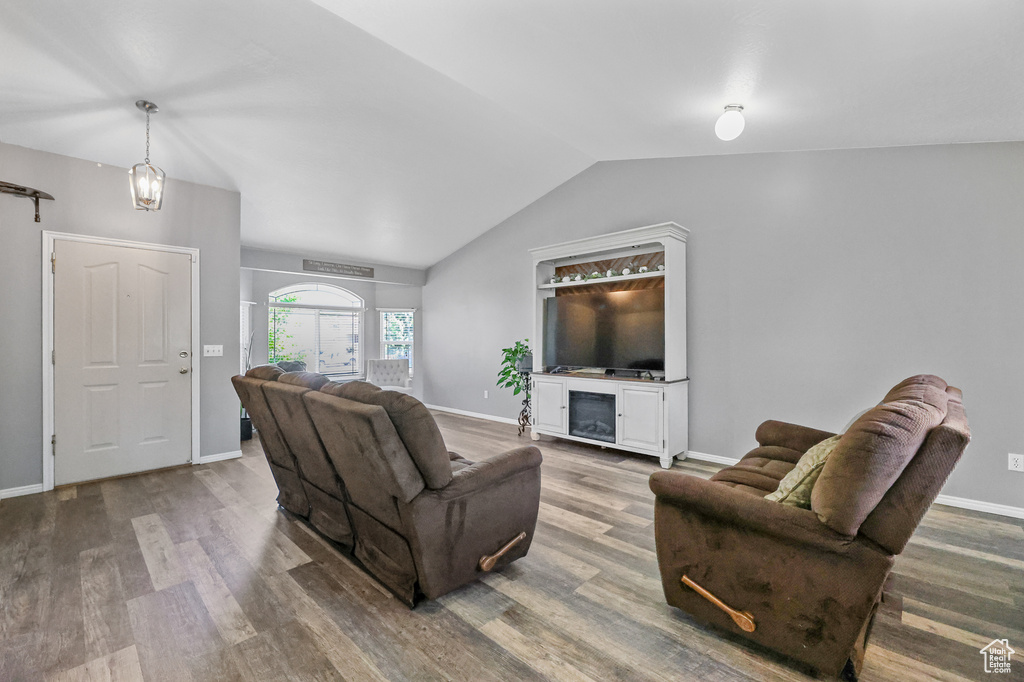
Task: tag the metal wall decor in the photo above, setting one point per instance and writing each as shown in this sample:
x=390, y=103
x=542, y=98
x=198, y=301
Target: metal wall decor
x=20, y=191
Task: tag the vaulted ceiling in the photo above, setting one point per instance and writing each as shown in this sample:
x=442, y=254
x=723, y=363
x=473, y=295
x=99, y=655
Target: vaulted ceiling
x=398, y=130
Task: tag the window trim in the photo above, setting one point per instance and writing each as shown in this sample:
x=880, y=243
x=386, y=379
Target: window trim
x=381, y=352
x=360, y=312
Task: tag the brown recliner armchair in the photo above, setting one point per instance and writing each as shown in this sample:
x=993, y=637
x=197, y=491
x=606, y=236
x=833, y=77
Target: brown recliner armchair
x=283, y=466
x=807, y=582
x=426, y=521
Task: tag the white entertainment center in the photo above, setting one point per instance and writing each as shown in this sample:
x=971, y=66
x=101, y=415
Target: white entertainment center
x=640, y=410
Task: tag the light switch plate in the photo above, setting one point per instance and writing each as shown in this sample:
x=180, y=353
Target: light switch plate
x=213, y=351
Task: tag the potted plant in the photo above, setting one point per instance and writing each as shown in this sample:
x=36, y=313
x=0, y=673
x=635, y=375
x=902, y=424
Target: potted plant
x=514, y=373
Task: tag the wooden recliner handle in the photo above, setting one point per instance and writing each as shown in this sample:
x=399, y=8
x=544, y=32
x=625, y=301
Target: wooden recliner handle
x=487, y=562
x=743, y=619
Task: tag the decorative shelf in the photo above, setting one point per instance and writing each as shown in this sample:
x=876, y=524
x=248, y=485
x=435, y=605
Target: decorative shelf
x=599, y=280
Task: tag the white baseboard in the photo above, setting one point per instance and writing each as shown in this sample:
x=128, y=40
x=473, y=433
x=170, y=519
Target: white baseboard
x=478, y=415
x=948, y=500
x=704, y=457
x=220, y=456
x=978, y=505
x=23, y=490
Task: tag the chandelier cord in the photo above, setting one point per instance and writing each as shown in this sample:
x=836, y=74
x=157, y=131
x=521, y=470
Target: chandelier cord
x=147, y=138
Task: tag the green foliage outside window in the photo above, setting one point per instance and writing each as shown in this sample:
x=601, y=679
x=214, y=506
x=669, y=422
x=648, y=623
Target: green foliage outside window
x=279, y=344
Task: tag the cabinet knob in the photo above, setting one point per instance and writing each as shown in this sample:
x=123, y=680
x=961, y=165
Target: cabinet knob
x=620, y=414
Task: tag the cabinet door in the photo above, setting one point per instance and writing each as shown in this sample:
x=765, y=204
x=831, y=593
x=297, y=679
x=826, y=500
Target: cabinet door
x=640, y=422
x=549, y=405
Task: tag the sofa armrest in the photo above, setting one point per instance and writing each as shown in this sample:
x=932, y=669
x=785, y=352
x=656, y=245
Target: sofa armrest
x=486, y=505
x=487, y=472
x=792, y=436
x=748, y=512
x=809, y=591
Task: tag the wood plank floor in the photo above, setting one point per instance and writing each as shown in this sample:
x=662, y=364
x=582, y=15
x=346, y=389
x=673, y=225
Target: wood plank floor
x=195, y=574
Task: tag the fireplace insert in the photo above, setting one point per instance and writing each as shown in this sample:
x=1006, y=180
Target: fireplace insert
x=592, y=415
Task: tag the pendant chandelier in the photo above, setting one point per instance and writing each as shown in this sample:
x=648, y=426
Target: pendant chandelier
x=146, y=180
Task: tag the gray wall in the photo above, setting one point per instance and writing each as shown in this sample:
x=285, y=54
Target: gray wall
x=374, y=294
x=94, y=200
x=816, y=281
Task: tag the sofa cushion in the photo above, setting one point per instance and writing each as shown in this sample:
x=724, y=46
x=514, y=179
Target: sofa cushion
x=458, y=462
x=795, y=488
x=896, y=517
x=760, y=471
x=265, y=372
x=873, y=453
x=311, y=380
x=360, y=391
x=414, y=424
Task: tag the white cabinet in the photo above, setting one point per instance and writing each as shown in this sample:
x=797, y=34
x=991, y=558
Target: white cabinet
x=641, y=416
x=549, y=408
x=594, y=405
x=650, y=417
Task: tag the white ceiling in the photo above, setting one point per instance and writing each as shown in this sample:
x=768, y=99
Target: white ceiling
x=396, y=131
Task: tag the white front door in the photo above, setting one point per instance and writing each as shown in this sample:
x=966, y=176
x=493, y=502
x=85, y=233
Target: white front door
x=122, y=360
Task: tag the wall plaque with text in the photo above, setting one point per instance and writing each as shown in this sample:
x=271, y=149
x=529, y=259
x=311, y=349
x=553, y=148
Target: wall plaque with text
x=336, y=268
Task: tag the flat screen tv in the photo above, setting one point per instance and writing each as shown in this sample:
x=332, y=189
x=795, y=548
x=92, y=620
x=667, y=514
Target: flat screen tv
x=611, y=330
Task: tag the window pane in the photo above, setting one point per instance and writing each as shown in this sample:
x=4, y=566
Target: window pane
x=292, y=335
x=339, y=342
x=398, y=326
x=312, y=293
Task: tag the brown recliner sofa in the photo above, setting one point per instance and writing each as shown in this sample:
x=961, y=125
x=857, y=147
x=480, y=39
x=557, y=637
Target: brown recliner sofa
x=328, y=511
x=283, y=465
x=807, y=582
x=419, y=518
x=426, y=520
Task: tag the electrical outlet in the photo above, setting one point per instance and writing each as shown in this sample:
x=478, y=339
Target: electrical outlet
x=213, y=351
x=1016, y=462
x=485, y=395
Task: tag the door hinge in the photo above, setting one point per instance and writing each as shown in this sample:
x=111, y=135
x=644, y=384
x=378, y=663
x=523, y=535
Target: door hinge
x=53, y=444
x=53, y=357
x=662, y=443
x=53, y=262
x=663, y=396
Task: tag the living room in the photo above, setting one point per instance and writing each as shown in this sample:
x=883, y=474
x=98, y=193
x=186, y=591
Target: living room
x=862, y=228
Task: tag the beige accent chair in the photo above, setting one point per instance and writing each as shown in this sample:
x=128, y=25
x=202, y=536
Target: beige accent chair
x=391, y=375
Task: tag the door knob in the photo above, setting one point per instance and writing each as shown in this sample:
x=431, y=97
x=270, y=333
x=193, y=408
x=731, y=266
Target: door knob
x=183, y=370
x=183, y=354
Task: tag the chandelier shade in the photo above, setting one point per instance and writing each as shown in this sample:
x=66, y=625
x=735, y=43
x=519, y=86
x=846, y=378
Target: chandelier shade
x=147, y=183
x=145, y=179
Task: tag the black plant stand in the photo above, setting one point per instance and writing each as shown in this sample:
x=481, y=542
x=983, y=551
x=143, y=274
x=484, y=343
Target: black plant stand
x=524, y=416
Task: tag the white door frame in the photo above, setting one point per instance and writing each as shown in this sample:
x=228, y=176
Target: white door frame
x=48, y=392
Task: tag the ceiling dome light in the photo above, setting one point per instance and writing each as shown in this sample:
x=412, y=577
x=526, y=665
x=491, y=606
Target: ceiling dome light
x=146, y=180
x=730, y=124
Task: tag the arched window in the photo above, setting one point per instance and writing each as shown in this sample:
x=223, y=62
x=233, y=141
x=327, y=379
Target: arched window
x=318, y=324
